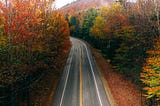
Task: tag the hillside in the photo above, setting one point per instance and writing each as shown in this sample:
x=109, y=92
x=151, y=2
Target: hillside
x=80, y=5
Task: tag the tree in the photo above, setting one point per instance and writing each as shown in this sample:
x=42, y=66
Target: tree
x=33, y=39
x=56, y=38
x=89, y=17
x=118, y=40
x=113, y=20
x=151, y=72
x=98, y=29
x=74, y=26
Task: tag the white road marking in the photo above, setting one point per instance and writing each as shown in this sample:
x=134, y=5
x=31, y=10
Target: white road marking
x=100, y=101
x=95, y=82
x=66, y=78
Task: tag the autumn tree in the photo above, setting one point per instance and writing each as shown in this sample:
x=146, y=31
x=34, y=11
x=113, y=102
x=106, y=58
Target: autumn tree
x=98, y=28
x=151, y=73
x=118, y=40
x=56, y=38
x=34, y=38
x=112, y=23
x=20, y=17
x=113, y=19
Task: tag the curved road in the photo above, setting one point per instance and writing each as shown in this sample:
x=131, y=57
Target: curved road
x=80, y=84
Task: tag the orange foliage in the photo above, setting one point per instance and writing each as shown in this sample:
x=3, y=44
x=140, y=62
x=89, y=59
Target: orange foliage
x=112, y=22
x=151, y=72
x=32, y=36
x=21, y=19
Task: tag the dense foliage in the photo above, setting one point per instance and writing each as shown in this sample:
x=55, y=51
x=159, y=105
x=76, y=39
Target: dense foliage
x=33, y=39
x=74, y=26
x=151, y=72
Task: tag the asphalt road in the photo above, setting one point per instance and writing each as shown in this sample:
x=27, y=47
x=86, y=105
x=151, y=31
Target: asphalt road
x=80, y=84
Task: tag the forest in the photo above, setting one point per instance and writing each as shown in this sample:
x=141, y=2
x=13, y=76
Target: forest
x=127, y=34
x=34, y=38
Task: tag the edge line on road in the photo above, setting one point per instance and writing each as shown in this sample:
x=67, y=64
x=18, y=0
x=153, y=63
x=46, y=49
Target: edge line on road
x=93, y=74
x=66, y=78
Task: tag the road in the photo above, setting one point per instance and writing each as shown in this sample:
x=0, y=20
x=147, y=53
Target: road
x=80, y=84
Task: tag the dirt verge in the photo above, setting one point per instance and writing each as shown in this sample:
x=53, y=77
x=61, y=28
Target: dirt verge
x=124, y=92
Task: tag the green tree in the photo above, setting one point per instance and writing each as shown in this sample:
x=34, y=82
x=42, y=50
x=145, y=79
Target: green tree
x=89, y=17
x=74, y=26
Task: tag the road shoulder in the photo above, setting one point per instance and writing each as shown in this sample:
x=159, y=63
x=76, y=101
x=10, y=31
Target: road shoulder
x=120, y=90
x=98, y=58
